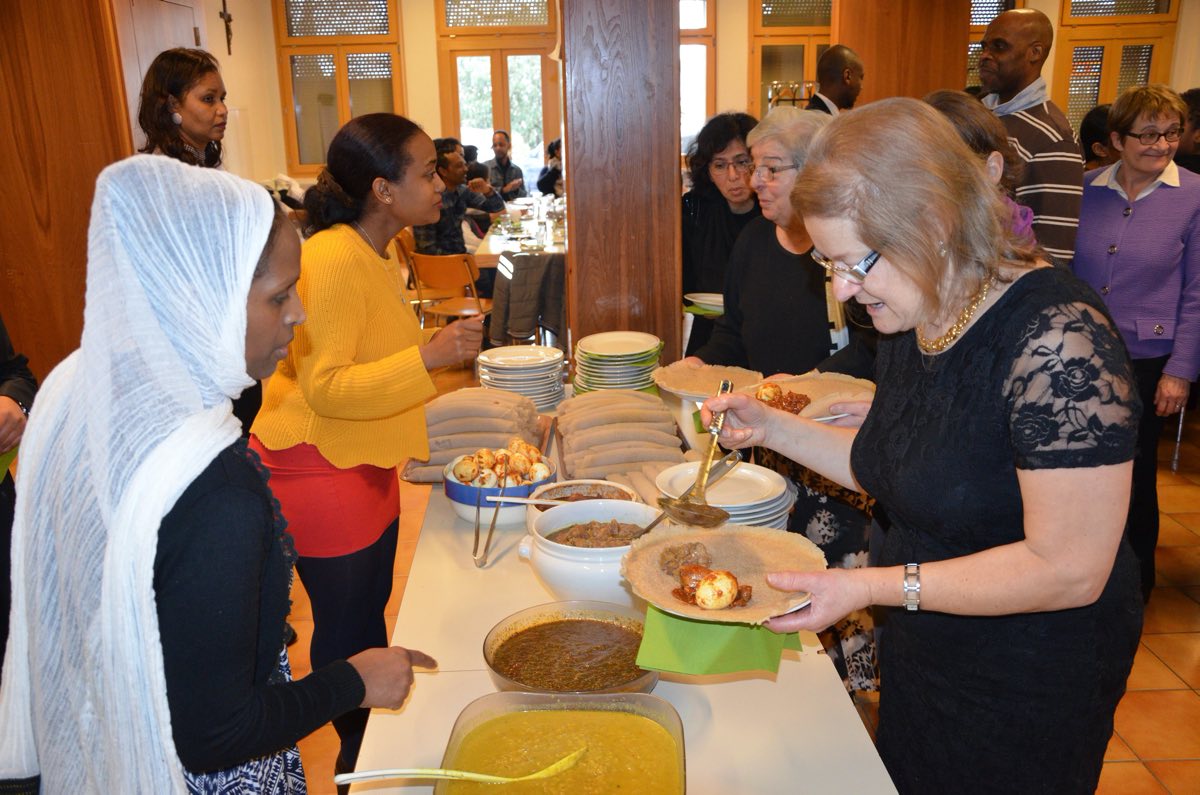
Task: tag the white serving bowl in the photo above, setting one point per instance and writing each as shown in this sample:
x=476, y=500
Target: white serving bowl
x=535, y=511
x=579, y=573
x=463, y=498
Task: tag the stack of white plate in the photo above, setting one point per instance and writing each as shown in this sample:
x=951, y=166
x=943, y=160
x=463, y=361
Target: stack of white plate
x=616, y=360
x=534, y=371
x=753, y=495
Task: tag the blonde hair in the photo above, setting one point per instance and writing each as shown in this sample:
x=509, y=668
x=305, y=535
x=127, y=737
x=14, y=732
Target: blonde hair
x=794, y=128
x=926, y=205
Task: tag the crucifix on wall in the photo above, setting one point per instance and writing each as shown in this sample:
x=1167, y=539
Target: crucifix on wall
x=228, y=18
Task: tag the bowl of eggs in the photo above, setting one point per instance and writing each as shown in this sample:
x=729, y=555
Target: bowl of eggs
x=512, y=471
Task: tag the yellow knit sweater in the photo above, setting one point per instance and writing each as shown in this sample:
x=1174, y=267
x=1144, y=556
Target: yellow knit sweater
x=353, y=383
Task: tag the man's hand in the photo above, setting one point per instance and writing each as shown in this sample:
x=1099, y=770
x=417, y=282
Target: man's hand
x=512, y=186
x=481, y=185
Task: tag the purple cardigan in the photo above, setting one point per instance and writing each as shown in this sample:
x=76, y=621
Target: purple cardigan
x=1143, y=258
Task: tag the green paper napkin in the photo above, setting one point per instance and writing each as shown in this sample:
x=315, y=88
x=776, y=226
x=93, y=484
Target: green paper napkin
x=6, y=460
x=687, y=646
x=696, y=309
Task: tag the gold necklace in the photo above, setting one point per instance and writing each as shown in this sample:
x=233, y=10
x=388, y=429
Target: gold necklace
x=964, y=318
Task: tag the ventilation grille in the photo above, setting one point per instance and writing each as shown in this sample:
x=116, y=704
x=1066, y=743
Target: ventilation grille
x=796, y=13
x=496, y=13
x=1118, y=8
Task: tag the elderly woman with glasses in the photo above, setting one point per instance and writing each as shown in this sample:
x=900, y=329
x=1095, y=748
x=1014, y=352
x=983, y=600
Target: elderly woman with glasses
x=1139, y=247
x=777, y=317
x=780, y=317
x=1000, y=439
x=716, y=209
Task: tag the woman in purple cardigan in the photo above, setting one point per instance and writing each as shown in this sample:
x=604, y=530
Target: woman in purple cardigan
x=1139, y=247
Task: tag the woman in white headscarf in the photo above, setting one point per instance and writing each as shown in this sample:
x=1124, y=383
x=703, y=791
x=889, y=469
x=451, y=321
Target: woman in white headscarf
x=150, y=565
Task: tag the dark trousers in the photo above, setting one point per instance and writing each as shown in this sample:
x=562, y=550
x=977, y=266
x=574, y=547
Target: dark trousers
x=349, y=594
x=1142, y=525
x=8, y=498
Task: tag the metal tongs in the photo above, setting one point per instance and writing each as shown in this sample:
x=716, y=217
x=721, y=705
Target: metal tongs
x=480, y=558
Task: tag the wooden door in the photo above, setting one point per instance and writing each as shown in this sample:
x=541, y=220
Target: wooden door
x=61, y=88
x=146, y=28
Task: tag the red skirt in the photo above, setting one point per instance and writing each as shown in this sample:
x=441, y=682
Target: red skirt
x=330, y=511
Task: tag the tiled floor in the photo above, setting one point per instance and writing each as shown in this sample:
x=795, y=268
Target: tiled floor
x=1156, y=746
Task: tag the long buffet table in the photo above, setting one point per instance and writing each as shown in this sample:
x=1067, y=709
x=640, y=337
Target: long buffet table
x=746, y=734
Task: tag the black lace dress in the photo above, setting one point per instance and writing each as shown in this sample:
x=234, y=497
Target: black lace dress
x=1017, y=703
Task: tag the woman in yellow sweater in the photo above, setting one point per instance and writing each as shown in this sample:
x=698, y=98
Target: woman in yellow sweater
x=344, y=408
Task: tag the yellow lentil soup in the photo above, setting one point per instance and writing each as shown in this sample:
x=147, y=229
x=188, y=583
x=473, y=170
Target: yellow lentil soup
x=626, y=753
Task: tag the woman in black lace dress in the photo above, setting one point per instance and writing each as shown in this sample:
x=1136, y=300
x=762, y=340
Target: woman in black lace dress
x=999, y=441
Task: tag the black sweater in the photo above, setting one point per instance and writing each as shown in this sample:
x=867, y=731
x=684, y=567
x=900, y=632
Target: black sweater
x=709, y=231
x=221, y=580
x=775, y=317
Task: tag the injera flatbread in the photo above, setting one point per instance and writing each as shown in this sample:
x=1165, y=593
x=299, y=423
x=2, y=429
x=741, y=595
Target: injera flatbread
x=748, y=552
x=824, y=389
x=704, y=380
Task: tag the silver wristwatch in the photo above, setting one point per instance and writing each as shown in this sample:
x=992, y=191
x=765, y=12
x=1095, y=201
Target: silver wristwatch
x=912, y=587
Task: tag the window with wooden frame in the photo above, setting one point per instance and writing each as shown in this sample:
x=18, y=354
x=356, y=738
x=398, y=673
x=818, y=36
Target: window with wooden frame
x=1106, y=46
x=336, y=61
x=786, y=39
x=697, y=67
x=496, y=73
x=982, y=14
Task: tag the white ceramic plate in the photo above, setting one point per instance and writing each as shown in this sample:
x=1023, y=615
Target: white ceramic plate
x=520, y=356
x=745, y=485
x=619, y=343
x=714, y=301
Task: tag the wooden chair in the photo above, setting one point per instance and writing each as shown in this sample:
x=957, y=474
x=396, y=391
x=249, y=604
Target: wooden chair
x=426, y=294
x=449, y=272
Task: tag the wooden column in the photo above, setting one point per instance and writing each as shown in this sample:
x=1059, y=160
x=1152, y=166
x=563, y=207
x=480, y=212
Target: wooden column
x=60, y=86
x=908, y=47
x=621, y=116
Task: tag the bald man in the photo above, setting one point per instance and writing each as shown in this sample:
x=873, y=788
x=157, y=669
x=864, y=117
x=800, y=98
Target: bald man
x=839, y=80
x=1014, y=48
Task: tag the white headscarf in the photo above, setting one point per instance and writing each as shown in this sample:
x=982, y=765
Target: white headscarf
x=121, y=428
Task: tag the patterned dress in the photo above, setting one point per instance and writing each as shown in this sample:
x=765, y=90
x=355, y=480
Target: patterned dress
x=1011, y=703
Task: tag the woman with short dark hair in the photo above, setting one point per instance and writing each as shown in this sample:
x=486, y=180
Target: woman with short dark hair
x=716, y=209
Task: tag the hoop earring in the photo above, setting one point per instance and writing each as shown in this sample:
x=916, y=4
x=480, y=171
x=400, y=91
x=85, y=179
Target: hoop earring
x=176, y=118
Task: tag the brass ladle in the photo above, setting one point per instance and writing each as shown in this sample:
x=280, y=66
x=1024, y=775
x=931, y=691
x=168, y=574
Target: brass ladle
x=562, y=765
x=692, y=509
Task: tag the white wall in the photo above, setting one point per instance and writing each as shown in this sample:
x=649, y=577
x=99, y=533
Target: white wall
x=254, y=137
x=423, y=104
x=1185, y=71
x=733, y=54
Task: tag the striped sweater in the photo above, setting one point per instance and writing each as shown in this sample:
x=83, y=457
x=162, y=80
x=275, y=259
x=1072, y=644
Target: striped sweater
x=1052, y=185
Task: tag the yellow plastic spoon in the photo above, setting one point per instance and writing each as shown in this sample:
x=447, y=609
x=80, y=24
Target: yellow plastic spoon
x=564, y=764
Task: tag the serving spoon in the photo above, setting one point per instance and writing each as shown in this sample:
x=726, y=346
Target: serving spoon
x=562, y=765
x=692, y=509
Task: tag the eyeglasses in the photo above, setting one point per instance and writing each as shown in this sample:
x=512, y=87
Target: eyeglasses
x=851, y=273
x=742, y=165
x=767, y=173
x=1151, y=138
